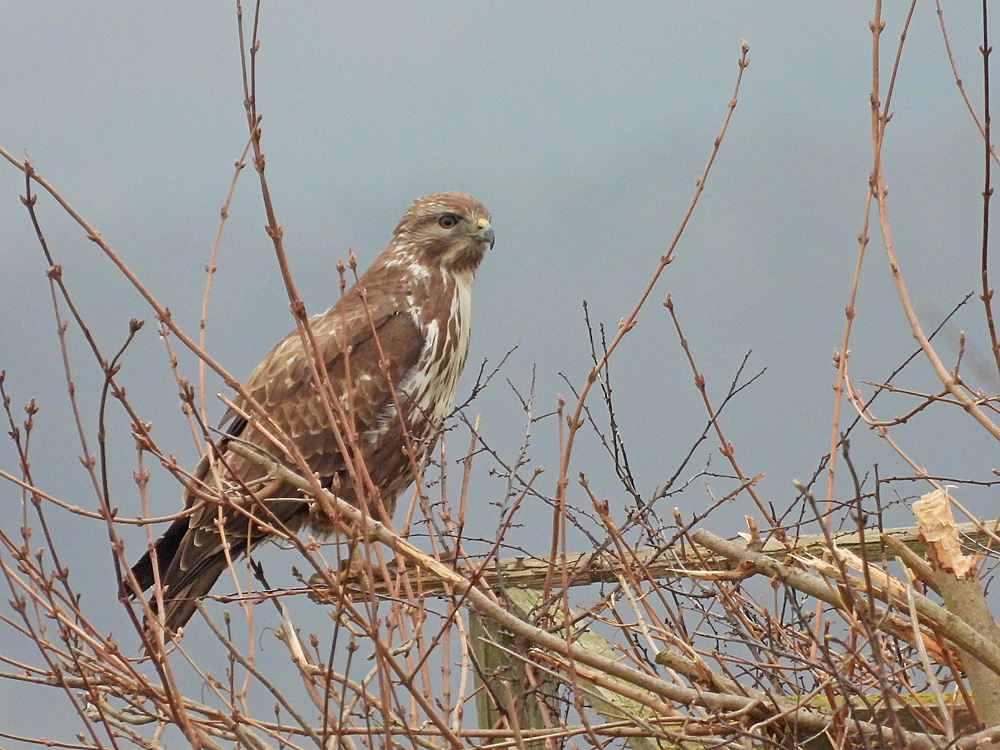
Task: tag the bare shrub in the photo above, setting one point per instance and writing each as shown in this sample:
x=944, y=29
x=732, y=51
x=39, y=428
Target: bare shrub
x=820, y=627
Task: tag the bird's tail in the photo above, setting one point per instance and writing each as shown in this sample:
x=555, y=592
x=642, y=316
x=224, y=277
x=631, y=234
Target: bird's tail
x=180, y=599
x=191, y=556
x=182, y=584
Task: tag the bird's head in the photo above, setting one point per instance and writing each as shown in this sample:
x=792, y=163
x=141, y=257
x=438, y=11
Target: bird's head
x=451, y=230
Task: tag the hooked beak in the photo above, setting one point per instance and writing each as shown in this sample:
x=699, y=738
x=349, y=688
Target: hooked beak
x=485, y=233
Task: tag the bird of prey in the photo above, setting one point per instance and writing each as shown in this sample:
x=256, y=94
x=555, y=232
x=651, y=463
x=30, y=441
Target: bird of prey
x=394, y=345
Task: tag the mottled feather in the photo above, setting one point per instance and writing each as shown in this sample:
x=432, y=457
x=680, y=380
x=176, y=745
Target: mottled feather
x=412, y=306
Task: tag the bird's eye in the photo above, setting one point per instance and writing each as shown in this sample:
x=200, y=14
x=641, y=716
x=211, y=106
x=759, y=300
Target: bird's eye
x=447, y=221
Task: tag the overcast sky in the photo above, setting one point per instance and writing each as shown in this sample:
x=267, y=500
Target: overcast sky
x=583, y=127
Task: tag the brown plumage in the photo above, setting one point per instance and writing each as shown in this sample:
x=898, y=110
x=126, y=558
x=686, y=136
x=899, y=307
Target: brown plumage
x=415, y=305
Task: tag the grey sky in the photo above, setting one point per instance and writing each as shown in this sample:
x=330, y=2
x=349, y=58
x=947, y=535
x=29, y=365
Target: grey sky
x=582, y=126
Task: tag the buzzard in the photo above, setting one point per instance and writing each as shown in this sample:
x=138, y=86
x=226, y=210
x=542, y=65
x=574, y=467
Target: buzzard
x=394, y=346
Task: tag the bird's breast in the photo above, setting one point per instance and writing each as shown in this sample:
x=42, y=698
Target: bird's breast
x=430, y=385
